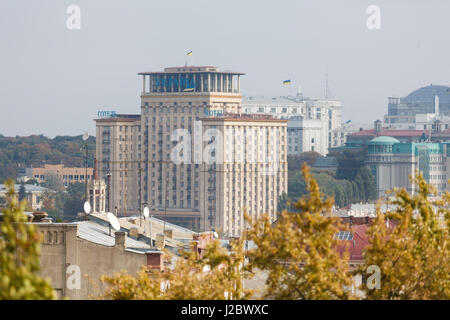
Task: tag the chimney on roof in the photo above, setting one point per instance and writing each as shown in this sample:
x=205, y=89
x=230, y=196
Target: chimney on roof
x=168, y=233
x=120, y=239
x=155, y=260
x=39, y=216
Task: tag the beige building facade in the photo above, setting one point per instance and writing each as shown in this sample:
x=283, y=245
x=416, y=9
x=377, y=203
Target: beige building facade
x=66, y=176
x=248, y=175
x=33, y=194
x=178, y=106
x=118, y=151
x=75, y=255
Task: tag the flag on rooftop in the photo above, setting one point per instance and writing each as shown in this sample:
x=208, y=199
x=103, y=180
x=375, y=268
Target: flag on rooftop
x=287, y=82
x=189, y=53
x=348, y=121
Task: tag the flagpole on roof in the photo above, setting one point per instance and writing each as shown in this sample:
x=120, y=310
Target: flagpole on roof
x=288, y=83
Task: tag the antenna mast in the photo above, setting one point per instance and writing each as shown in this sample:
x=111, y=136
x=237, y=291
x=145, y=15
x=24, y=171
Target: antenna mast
x=327, y=87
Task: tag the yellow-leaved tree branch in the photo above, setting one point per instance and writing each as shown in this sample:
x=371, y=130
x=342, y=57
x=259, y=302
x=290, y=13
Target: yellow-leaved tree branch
x=20, y=245
x=216, y=274
x=298, y=251
x=411, y=245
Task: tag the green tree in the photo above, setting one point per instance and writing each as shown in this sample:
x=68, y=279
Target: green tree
x=295, y=162
x=74, y=200
x=22, y=192
x=298, y=250
x=349, y=163
x=283, y=202
x=19, y=254
x=368, y=183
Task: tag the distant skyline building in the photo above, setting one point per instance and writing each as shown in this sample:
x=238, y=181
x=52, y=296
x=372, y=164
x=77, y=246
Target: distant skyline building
x=313, y=124
x=430, y=100
x=58, y=172
x=393, y=162
x=136, y=152
x=33, y=194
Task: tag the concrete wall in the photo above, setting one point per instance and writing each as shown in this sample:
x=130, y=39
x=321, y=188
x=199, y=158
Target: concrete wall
x=65, y=259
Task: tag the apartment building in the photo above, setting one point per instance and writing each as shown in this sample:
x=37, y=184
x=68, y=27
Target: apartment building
x=118, y=151
x=247, y=175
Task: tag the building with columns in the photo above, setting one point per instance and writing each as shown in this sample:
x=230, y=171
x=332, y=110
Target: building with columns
x=393, y=162
x=137, y=150
x=97, y=196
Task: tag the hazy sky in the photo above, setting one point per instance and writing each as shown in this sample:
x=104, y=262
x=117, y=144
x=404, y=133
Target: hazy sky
x=54, y=80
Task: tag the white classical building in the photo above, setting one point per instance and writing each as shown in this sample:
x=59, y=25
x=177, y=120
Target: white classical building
x=313, y=124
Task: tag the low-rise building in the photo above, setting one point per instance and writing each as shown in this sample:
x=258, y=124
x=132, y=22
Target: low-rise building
x=326, y=164
x=393, y=162
x=75, y=255
x=33, y=194
x=63, y=175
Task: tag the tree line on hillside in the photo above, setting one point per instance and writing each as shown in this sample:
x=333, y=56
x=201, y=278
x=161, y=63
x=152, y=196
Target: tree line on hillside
x=36, y=150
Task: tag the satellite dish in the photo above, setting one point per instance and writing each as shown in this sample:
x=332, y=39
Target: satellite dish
x=87, y=207
x=146, y=212
x=206, y=268
x=85, y=136
x=113, y=221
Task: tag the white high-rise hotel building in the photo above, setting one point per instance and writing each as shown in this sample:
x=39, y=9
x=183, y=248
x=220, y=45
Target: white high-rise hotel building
x=191, y=155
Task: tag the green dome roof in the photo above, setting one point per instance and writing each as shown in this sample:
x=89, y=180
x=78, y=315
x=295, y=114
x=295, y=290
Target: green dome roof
x=384, y=140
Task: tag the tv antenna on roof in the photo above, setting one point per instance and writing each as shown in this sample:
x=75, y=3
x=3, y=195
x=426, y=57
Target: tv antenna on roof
x=87, y=207
x=146, y=212
x=327, y=87
x=113, y=222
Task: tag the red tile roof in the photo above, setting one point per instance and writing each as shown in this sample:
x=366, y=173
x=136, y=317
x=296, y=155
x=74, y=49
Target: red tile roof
x=356, y=246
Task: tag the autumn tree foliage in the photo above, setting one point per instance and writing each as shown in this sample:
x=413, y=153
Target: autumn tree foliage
x=19, y=254
x=414, y=256
x=35, y=150
x=217, y=274
x=298, y=250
